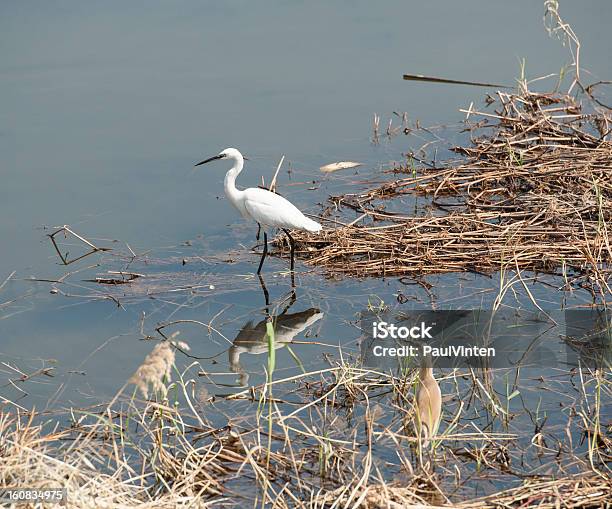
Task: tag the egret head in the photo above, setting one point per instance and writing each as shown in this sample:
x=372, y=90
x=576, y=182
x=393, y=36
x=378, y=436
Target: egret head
x=228, y=153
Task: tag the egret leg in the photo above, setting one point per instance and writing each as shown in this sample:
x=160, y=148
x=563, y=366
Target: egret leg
x=258, y=231
x=265, y=252
x=265, y=292
x=291, y=247
x=292, y=300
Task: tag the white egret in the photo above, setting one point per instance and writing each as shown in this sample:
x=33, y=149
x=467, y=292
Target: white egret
x=268, y=209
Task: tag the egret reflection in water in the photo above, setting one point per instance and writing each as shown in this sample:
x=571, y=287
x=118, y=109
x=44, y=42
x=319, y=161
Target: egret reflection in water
x=252, y=337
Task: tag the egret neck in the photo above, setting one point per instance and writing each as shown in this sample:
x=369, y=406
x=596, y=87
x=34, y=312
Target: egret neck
x=231, y=191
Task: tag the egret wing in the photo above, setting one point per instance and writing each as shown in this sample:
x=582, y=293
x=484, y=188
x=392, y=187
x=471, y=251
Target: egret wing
x=271, y=209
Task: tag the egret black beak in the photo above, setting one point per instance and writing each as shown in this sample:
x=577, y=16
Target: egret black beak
x=214, y=158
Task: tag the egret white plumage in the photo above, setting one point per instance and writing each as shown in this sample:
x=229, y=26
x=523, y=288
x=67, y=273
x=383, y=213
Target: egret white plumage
x=268, y=209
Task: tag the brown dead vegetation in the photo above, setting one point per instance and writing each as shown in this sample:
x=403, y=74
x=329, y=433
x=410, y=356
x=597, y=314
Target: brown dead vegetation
x=532, y=192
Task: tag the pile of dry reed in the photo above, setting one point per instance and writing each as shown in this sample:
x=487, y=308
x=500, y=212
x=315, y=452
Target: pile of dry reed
x=585, y=491
x=534, y=192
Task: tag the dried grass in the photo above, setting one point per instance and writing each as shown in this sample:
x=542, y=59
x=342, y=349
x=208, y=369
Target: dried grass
x=31, y=457
x=586, y=491
x=161, y=454
x=533, y=193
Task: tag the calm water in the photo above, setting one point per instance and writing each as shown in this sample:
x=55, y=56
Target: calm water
x=106, y=108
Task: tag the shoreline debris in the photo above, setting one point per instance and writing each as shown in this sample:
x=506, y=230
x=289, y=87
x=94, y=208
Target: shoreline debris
x=533, y=192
